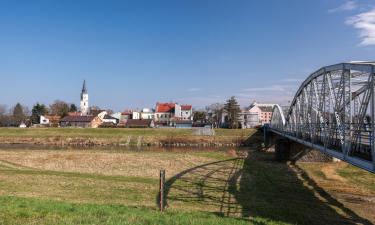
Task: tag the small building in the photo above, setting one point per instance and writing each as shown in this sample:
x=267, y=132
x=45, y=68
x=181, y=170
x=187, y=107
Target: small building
x=81, y=121
x=43, y=120
x=50, y=120
x=136, y=115
x=147, y=123
x=125, y=116
x=22, y=125
x=147, y=113
x=110, y=119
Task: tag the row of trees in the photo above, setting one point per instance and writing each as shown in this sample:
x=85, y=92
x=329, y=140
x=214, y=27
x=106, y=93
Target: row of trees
x=19, y=113
x=215, y=112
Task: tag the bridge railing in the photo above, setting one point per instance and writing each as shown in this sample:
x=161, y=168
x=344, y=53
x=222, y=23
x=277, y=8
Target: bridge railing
x=333, y=110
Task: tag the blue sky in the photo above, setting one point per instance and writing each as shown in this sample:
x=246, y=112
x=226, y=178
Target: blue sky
x=135, y=53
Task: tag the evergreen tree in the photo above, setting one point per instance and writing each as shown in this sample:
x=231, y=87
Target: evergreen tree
x=232, y=108
x=73, y=108
x=37, y=111
x=199, y=116
x=18, y=113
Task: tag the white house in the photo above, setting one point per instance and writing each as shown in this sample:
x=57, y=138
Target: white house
x=147, y=113
x=110, y=119
x=136, y=115
x=43, y=120
x=186, y=112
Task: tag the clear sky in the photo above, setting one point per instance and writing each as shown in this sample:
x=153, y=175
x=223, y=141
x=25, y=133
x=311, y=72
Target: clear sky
x=135, y=53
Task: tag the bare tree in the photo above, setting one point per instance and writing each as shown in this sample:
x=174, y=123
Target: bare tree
x=59, y=108
x=214, y=113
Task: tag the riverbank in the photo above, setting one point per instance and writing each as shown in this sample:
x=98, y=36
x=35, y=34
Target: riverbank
x=232, y=186
x=124, y=137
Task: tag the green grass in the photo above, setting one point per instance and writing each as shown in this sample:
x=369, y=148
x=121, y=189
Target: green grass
x=14, y=210
x=221, y=190
x=358, y=176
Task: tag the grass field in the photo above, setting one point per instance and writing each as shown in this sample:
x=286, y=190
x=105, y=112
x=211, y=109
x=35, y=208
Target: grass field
x=112, y=132
x=121, y=137
x=203, y=187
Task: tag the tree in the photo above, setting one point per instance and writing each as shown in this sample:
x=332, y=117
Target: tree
x=73, y=108
x=232, y=108
x=37, y=111
x=199, y=116
x=18, y=113
x=215, y=113
x=59, y=108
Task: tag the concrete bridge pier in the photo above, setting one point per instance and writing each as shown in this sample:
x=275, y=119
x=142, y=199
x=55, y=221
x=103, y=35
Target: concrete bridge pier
x=288, y=150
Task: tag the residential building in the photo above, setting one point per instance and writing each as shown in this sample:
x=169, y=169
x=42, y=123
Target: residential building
x=136, y=115
x=50, y=120
x=260, y=113
x=125, y=116
x=167, y=113
x=81, y=121
x=84, y=100
x=187, y=112
x=43, y=120
x=164, y=112
x=147, y=113
x=110, y=119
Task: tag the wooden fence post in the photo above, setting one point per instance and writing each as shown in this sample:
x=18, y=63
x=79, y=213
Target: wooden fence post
x=162, y=183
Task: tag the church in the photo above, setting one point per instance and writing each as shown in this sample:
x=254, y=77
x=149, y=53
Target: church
x=84, y=120
x=84, y=100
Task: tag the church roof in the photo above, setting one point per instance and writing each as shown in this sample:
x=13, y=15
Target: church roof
x=84, y=89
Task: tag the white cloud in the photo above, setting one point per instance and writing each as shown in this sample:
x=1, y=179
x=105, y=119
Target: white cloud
x=194, y=89
x=270, y=88
x=347, y=6
x=365, y=23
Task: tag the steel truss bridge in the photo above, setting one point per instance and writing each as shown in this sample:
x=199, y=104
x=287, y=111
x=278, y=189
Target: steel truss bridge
x=333, y=111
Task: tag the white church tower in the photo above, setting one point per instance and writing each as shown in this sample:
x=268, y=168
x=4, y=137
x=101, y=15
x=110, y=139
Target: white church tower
x=84, y=100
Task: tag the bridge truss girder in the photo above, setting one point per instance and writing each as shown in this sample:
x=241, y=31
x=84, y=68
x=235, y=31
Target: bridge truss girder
x=333, y=111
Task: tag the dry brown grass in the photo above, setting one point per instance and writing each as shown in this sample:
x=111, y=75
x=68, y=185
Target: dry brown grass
x=125, y=163
x=357, y=196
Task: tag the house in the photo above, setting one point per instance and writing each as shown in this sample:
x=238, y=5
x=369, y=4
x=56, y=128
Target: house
x=147, y=113
x=43, y=120
x=187, y=112
x=260, y=113
x=81, y=121
x=147, y=123
x=110, y=119
x=164, y=112
x=50, y=120
x=125, y=116
x=167, y=113
x=136, y=115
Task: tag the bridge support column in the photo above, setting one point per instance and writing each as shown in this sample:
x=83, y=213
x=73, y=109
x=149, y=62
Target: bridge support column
x=282, y=149
x=287, y=150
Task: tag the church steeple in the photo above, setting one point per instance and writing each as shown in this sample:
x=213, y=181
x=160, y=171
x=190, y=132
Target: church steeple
x=84, y=89
x=84, y=100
